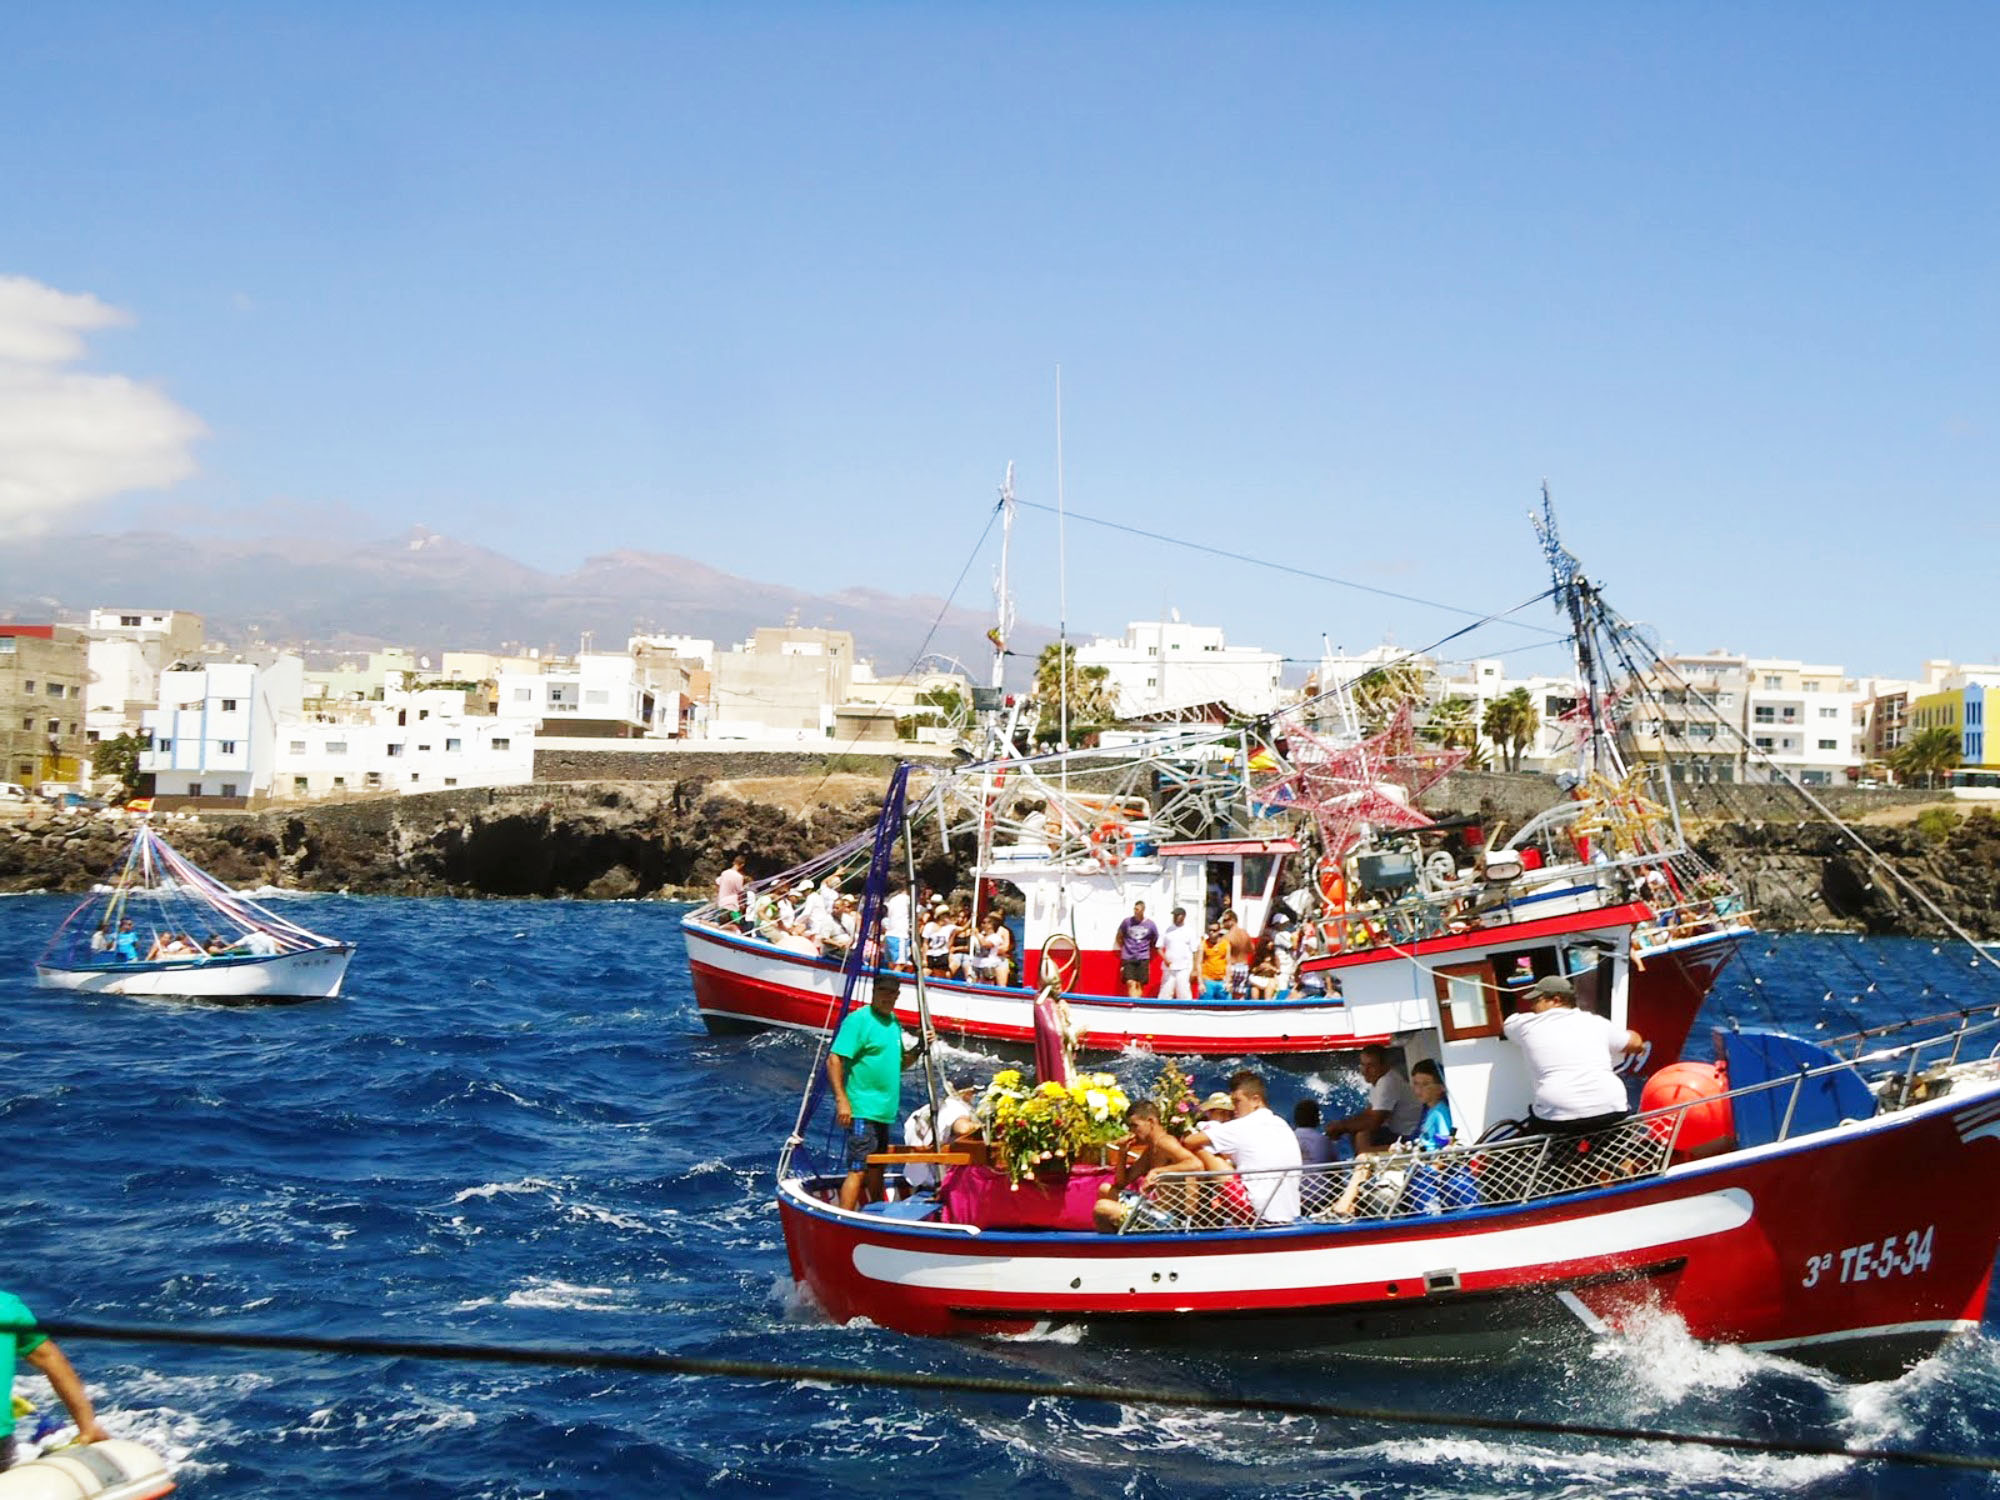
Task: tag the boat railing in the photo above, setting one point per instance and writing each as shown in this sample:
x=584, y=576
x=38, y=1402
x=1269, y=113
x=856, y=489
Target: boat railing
x=1407, y=1183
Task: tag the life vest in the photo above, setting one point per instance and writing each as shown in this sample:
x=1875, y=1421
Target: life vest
x=1332, y=885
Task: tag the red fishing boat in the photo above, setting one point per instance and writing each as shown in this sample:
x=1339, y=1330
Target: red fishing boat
x=1836, y=1200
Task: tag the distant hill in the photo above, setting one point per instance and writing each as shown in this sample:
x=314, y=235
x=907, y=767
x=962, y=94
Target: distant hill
x=431, y=593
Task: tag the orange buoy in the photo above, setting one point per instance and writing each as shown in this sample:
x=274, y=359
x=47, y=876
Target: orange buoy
x=1705, y=1128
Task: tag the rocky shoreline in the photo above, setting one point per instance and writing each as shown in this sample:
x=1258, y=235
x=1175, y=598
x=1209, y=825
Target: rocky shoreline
x=623, y=840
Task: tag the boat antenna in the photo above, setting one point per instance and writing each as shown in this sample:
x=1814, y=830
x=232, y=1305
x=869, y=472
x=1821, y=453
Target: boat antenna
x=1577, y=597
x=1062, y=643
x=1003, y=598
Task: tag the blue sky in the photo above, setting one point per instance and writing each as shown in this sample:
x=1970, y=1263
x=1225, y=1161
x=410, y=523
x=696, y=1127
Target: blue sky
x=786, y=288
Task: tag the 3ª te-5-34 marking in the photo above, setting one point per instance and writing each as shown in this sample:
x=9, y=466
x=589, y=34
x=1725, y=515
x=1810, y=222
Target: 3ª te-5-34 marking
x=1877, y=1260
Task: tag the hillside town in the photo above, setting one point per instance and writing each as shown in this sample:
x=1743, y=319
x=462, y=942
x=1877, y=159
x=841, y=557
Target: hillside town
x=141, y=701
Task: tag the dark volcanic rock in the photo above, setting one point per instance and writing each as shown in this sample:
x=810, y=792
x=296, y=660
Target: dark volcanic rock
x=615, y=840
x=562, y=840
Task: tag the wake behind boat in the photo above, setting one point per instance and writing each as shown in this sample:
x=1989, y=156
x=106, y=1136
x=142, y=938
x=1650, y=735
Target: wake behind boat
x=163, y=926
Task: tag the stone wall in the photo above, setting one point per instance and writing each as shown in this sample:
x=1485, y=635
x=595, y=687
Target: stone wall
x=562, y=763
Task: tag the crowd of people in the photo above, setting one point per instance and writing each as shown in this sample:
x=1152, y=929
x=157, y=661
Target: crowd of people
x=820, y=920
x=121, y=944
x=1237, y=1162
x=1222, y=962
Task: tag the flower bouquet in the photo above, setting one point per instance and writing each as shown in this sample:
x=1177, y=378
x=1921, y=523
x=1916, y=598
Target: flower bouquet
x=1047, y=1128
x=1174, y=1093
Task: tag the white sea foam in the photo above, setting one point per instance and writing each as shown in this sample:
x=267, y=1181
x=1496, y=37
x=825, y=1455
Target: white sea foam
x=547, y=1292
x=494, y=1189
x=594, y=1214
x=1659, y=1364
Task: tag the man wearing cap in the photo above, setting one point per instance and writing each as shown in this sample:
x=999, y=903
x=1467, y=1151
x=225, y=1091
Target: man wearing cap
x=1177, y=954
x=865, y=1069
x=1136, y=939
x=1572, y=1054
x=40, y=1351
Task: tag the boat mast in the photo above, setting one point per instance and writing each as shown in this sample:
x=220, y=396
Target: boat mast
x=997, y=723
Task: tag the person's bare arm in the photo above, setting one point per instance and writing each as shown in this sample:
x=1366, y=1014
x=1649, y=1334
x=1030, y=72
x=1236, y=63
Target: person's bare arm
x=68, y=1385
x=836, y=1074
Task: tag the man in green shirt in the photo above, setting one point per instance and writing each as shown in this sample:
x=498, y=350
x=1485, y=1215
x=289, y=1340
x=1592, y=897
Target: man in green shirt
x=40, y=1351
x=865, y=1068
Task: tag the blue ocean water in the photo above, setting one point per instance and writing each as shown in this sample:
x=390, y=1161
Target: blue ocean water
x=513, y=1128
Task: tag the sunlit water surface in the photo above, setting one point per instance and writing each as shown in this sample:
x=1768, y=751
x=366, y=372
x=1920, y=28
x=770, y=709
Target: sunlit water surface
x=513, y=1128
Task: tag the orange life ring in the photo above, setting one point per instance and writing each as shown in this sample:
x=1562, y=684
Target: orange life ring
x=1107, y=842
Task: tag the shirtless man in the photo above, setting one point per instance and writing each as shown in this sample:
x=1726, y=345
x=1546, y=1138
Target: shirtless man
x=1241, y=946
x=1159, y=1155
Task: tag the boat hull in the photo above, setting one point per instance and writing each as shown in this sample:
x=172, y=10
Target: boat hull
x=1861, y=1247
x=744, y=984
x=316, y=974
x=741, y=983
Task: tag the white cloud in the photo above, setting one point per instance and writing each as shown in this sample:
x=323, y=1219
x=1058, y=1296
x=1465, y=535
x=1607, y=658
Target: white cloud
x=66, y=437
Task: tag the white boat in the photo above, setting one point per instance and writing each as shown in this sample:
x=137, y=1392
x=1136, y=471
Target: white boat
x=115, y=1469
x=162, y=926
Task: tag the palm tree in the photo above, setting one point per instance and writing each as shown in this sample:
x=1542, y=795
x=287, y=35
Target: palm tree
x=1928, y=753
x=1512, y=723
x=1091, y=705
x=1380, y=694
x=1450, y=724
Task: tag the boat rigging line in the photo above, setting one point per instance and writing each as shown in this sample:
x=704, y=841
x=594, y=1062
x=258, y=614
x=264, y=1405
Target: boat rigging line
x=1296, y=572
x=1213, y=1402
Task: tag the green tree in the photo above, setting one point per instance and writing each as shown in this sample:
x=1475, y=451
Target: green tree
x=119, y=757
x=1511, y=723
x=1091, y=704
x=1928, y=753
x=944, y=705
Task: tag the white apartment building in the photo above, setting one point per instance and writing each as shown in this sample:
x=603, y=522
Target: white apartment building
x=1809, y=719
x=596, y=694
x=425, y=741
x=1727, y=717
x=214, y=734
x=1165, y=666
x=127, y=650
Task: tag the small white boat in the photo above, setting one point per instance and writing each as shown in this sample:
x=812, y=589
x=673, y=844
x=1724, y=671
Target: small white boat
x=162, y=926
x=115, y=1469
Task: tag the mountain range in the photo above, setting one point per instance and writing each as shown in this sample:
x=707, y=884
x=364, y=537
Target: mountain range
x=431, y=592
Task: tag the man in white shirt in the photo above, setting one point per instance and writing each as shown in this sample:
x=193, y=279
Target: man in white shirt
x=1260, y=1146
x=896, y=928
x=1572, y=1055
x=1393, y=1111
x=817, y=910
x=1177, y=952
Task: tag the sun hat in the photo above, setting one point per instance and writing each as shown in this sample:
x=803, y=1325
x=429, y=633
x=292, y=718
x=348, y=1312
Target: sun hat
x=1218, y=1100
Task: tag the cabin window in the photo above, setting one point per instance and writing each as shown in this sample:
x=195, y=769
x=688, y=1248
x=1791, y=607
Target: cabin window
x=1257, y=875
x=1468, y=1003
